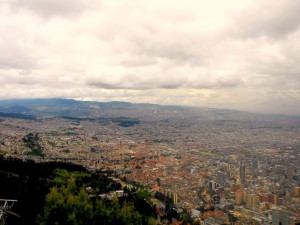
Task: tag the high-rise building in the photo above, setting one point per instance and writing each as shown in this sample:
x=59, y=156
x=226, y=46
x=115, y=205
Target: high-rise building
x=175, y=198
x=243, y=173
x=239, y=197
x=201, y=182
x=235, y=187
x=275, y=199
x=289, y=172
x=256, y=164
x=168, y=193
x=245, y=194
x=220, y=177
x=212, y=185
x=296, y=191
x=251, y=201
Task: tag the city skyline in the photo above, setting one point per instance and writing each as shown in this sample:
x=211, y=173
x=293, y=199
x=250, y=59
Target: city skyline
x=237, y=55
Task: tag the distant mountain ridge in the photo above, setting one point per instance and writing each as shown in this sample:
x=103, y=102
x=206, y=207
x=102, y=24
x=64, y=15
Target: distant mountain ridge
x=17, y=116
x=59, y=107
x=71, y=107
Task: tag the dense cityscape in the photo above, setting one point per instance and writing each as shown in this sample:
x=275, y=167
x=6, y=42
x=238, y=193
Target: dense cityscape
x=139, y=112
x=220, y=171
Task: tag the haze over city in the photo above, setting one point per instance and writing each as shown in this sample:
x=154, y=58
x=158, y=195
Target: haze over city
x=150, y=112
x=223, y=54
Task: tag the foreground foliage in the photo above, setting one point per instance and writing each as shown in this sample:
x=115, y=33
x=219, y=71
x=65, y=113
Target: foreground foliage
x=69, y=204
x=55, y=193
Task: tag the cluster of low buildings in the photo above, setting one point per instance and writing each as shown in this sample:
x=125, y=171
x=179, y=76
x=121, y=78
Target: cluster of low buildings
x=218, y=172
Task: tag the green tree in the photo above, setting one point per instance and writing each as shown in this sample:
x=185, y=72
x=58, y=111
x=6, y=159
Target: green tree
x=67, y=203
x=143, y=194
x=128, y=215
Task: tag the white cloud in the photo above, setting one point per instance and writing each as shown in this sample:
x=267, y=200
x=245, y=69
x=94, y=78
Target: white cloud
x=233, y=54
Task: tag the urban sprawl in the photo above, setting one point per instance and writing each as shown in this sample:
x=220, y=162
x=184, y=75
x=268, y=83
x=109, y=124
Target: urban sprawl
x=248, y=169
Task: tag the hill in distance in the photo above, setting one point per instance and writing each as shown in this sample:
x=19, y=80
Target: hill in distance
x=57, y=107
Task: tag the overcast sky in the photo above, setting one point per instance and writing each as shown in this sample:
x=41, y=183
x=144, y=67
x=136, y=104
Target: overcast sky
x=237, y=54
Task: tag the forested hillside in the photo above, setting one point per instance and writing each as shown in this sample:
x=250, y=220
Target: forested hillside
x=62, y=193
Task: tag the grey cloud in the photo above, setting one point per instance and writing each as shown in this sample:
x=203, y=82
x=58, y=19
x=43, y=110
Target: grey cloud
x=216, y=83
x=274, y=64
x=54, y=8
x=268, y=18
x=22, y=61
x=33, y=79
x=175, y=46
x=231, y=82
x=174, y=78
x=174, y=51
x=166, y=53
x=136, y=82
x=138, y=61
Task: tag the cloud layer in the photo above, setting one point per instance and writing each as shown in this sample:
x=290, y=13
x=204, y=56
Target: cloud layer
x=237, y=54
